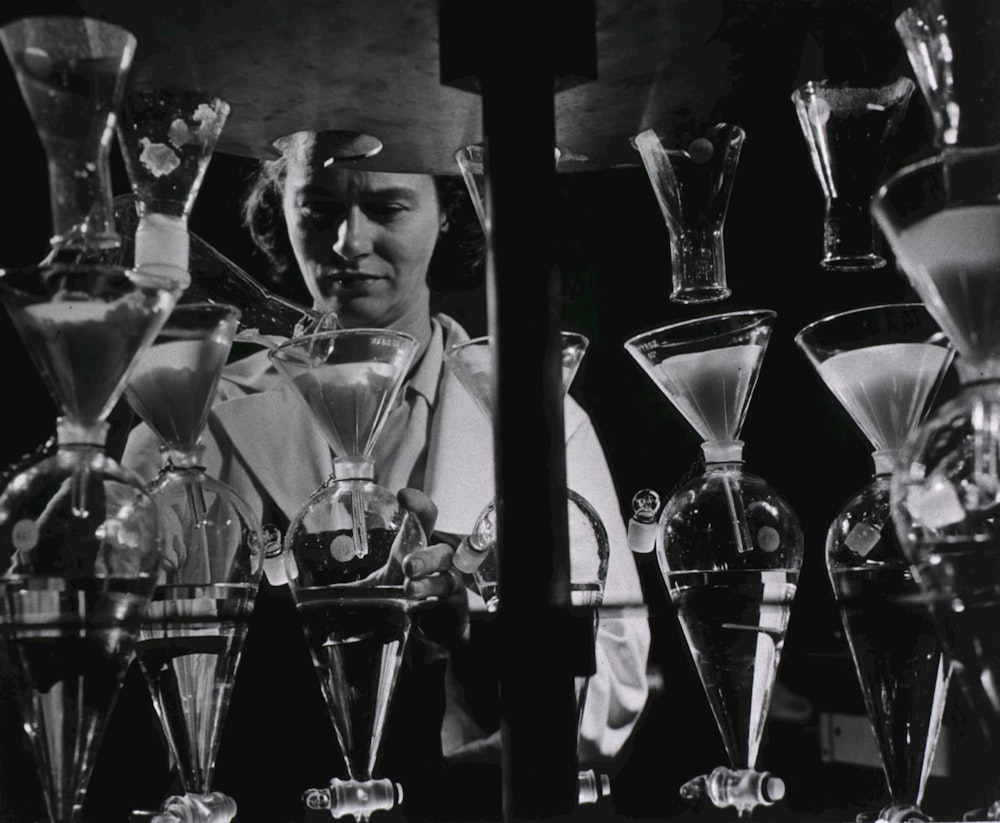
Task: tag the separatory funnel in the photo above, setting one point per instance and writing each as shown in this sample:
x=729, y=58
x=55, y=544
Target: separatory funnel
x=942, y=218
x=79, y=540
x=728, y=545
x=193, y=631
x=884, y=365
x=344, y=549
x=848, y=130
x=472, y=362
x=692, y=186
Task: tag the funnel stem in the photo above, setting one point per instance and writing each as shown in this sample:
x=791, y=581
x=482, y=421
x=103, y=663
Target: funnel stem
x=78, y=489
x=198, y=539
x=737, y=516
x=358, y=518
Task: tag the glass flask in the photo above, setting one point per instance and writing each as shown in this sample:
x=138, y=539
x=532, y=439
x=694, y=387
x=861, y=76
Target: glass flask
x=193, y=630
x=884, y=365
x=942, y=217
x=848, y=130
x=729, y=547
x=692, y=186
x=472, y=362
x=78, y=533
x=344, y=549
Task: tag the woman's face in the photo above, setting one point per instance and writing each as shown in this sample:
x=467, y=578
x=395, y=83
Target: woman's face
x=362, y=240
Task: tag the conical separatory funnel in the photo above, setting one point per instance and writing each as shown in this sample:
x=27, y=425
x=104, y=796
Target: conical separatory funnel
x=728, y=546
x=193, y=630
x=942, y=218
x=344, y=549
x=79, y=539
x=472, y=362
x=884, y=365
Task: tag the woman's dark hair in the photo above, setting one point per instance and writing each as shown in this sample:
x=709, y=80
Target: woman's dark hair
x=458, y=259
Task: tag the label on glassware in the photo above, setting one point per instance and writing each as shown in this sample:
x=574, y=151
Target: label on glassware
x=935, y=507
x=24, y=535
x=862, y=539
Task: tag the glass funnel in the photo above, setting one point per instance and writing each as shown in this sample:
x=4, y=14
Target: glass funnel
x=71, y=72
x=472, y=362
x=193, y=630
x=848, y=131
x=729, y=546
x=692, y=186
x=343, y=551
x=951, y=46
x=942, y=218
x=884, y=365
x=923, y=30
x=167, y=137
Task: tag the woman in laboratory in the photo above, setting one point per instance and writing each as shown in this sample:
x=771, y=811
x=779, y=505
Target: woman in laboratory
x=370, y=247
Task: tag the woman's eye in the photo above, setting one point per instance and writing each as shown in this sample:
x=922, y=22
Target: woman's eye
x=320, y=213
x=384, y=211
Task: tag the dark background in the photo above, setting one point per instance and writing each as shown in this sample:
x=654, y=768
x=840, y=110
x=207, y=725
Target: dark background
x=611, y=246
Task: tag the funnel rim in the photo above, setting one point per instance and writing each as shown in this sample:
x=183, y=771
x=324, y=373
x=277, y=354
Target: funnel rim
x=224, y=308
x=953, y=155
x=141, y=278
x=902, y=82
x=754, y=316
x=800, y=337
x=275, y=352
x=452, y=350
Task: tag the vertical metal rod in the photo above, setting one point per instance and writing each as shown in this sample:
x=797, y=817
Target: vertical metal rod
x=536, y=682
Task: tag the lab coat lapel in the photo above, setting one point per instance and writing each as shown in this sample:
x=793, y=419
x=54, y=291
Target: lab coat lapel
x=291, y=443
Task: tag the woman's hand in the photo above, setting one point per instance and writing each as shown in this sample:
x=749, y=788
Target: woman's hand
x=430, y=574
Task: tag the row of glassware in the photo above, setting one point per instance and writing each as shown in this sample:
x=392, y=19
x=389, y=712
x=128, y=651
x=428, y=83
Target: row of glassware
x=84, y=571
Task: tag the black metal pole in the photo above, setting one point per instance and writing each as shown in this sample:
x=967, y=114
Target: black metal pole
x=516, y=55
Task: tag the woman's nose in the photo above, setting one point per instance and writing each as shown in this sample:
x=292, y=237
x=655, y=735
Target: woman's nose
x=353, y=236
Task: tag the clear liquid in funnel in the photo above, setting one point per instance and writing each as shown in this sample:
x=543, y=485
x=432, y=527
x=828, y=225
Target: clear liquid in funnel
x=900, y=667
x=734, y=623
x=172, y=386
x=72, y=649
x=356, y=637
x=189, y=649
x=85, y=348
x=885, y=388
x=711, y=388
x=953, y=261
x=350, y=401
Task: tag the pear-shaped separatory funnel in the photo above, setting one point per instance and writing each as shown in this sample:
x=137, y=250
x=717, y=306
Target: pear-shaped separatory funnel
x=707, y=368
x=884, y=364
x=472, y=363
x=349, y=379
x=173, y=382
